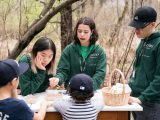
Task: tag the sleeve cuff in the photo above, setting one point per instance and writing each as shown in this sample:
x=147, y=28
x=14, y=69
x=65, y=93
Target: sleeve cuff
x=50, y=75
x=141, y=98
x=60, y=82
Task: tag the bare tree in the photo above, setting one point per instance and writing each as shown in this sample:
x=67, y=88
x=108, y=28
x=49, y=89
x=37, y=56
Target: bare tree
x=4, y=14
x=37, y=26
x=66, y=26
x=113, y=38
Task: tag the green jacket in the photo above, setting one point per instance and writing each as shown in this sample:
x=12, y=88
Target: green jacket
x=30, y=82
x=71, y=63
x=145, y=79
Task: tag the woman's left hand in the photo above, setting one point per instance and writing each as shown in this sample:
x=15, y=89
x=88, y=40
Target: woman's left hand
x=38, y=62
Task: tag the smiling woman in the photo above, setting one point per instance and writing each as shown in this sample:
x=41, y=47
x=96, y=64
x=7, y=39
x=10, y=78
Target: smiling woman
x=41, y=62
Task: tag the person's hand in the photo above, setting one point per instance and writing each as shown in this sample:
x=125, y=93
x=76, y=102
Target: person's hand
x=134, y=100
x=46, y=103
x=53, y=82
x=38, y=62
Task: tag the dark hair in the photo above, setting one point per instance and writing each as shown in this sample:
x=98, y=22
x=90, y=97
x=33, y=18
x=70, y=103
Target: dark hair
x=41, y=44
x=80, y=96
x=86, y=21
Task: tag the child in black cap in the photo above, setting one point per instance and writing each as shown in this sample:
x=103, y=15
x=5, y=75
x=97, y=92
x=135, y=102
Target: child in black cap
x=79, y=106
x=145, y=79
x=10, y=107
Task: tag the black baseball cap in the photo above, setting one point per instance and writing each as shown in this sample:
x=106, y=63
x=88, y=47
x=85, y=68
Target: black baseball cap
x=9, y=69
x=81, y=82
x=143, y=16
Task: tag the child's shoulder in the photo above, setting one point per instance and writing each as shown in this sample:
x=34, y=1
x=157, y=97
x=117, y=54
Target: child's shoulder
x=13, y=102
x=12, y=106
x=63, y=102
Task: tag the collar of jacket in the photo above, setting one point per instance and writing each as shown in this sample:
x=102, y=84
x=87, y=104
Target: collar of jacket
x=152, y=36
x=77, y=48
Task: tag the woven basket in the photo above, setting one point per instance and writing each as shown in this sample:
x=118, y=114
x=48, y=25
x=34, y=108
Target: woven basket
x=113, y=99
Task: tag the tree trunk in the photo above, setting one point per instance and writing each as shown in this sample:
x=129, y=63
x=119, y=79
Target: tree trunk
x=66, y=26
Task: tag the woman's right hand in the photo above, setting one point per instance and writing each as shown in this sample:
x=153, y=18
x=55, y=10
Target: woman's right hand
x=134, y=100
x=38, y=62
x=53, y=82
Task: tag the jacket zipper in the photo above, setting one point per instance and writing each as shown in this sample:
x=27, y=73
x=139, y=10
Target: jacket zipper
x=83, y=62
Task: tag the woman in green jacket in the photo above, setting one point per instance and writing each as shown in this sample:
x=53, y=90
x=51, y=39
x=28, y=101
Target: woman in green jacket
x=82, y=56
x=41, y=62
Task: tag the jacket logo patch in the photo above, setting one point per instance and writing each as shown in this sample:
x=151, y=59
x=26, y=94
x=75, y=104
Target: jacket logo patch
x=94, y=55
x=146, y=56
x=149, y=46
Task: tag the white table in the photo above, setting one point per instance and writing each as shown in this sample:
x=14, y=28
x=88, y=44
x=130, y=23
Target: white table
x=108, y=112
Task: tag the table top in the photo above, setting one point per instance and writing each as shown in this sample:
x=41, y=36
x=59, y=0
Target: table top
x=41, y=96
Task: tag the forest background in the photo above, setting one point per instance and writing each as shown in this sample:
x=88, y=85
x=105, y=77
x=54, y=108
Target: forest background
x=23, y=21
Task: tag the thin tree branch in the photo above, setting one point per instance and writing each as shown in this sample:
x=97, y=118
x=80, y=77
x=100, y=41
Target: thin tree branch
x=82, y=3
x=47, y=7
x=44, y=3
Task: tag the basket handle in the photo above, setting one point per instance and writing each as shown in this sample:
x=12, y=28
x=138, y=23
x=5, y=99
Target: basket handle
x=123, y=79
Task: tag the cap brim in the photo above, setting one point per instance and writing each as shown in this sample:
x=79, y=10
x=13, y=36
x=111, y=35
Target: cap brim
x=23, y=67
x=137, y=24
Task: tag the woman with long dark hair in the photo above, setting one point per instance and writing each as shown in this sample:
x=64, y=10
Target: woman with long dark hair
x=82, y=56
x=41, y=62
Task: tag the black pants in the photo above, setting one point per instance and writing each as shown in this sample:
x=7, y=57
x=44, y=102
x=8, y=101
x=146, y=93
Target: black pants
x=151, y=111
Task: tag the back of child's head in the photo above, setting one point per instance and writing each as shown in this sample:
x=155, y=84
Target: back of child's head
x=10, y=69
x=81, y=87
